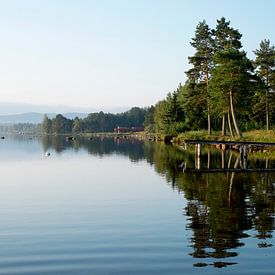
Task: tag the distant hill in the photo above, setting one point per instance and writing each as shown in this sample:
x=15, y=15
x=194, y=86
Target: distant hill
x=35, y=118
x=10, y=108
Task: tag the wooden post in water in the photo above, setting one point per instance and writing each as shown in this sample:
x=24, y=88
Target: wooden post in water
x=229, y=160
x=208, y=158
x=241, y=156
x=222, y=152
x=245, y=157
x=198, y=156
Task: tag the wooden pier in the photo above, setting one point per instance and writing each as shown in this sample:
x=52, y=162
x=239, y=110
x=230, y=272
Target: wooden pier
x=243, y=147
x=229, y=143
x=228, y=170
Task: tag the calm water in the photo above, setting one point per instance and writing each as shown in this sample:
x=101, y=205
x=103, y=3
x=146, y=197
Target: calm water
x=128, y=207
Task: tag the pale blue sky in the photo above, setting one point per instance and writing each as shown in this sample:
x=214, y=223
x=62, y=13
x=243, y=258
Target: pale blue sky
x=109, y=53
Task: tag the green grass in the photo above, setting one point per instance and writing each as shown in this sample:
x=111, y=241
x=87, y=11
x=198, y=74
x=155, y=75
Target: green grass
x=260, y=135
x=256, y=135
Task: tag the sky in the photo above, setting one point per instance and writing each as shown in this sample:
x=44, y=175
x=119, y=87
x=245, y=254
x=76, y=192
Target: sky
x=111, y=53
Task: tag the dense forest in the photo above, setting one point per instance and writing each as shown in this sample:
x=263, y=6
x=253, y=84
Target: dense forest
x=94, y=122
x=224, y=90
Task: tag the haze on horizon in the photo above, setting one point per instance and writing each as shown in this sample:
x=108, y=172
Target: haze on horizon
x=105, y=54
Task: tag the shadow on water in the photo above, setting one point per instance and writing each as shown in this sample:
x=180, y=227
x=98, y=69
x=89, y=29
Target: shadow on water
x=225, y=198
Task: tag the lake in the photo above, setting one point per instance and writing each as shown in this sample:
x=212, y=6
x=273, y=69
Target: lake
x=118, y=206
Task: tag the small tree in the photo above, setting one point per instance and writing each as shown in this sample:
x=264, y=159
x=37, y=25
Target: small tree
x=76, y=129
x=46, y=125
x=149, y=119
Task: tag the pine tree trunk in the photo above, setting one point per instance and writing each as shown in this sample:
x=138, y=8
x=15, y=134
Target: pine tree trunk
x=229, y=123
x=208, y=120
x=208, y=107
x=223, y=125
x=267, y=112
x=267, y=102
x=239, y=134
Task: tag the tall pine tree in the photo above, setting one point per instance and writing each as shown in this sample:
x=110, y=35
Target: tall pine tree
x=265, y=62
x=199, y=74
x=232, y=75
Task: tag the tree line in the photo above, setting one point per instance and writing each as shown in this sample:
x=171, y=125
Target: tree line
x=94, y=122
x=224, y=88
x=19, y=128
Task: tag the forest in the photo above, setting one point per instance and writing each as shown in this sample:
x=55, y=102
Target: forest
x=94, y=122
x=225, y=91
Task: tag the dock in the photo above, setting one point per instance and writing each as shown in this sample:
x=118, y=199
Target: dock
x=228, y=170
x=243, y=147
x=229, y=143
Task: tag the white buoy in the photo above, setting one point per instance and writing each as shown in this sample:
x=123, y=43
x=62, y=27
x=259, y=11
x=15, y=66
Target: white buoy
x=47, y=154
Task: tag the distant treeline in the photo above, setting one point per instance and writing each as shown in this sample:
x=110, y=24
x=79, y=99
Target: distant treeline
x=19, y=128
x=224, y=89
x=94, y=122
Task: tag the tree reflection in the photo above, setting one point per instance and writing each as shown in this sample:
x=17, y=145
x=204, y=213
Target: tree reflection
x=224, y=201
x=221, y=207
x=98, y=146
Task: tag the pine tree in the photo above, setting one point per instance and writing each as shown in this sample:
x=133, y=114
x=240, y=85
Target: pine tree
x=232, y=74
x=174, y=114
x=159, y=116
x=192, y=98
x=46, y=125
x=202, y=62
x=265, y=62
x=76, y=129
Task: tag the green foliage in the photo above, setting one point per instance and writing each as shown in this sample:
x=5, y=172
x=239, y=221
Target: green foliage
x=169, y=115
x=199, y=75
x=149, y=120
x=202, y=59
x=193, y=101
x=233, y=73
x=199, y=135
x=265, y=98
x=159, y=116
x=76, y=126
x=94, y=122
x=46, y=125
x=61, y=124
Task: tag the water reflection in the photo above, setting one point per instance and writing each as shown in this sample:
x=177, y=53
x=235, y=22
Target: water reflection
x=96, y=146
x=226, y=197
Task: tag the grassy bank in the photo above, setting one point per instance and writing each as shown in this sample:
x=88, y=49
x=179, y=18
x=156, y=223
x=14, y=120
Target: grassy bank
x=256, y=135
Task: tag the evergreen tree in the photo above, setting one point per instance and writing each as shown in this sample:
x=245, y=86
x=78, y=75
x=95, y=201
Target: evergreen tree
x=46, y=125
x=202, y=62
x=192, y=98
x=149, y=119
x=159, y=116
x=232, y=74
x=174, y=114
x=265, y=62
x=76, y=129
x=61, y=124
